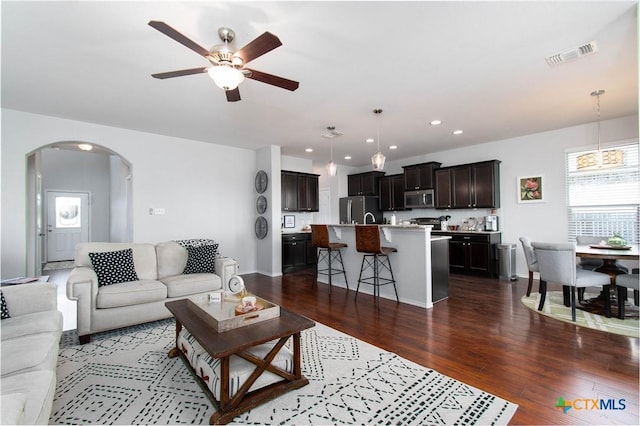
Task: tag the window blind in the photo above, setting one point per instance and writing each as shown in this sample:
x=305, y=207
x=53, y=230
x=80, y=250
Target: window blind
x=604, y=202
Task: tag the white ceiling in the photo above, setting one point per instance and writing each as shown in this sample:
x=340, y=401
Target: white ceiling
x=477, y=66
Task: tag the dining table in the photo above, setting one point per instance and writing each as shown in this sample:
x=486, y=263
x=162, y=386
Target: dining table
x=609, y=256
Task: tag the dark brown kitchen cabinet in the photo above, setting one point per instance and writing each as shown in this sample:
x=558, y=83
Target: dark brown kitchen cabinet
x=473, y=253
x=299, y=192
x=364, y=183
x=419, y=176
x=391, y=193
x=308, y=200
x=468, y=186
x=443, y=188
x=289, y=191
x=297, y=252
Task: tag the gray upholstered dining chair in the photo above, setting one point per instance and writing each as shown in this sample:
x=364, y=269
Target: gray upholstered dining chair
x=557, y=263
x=592, y=264
x=625, y=282
x=532, y=262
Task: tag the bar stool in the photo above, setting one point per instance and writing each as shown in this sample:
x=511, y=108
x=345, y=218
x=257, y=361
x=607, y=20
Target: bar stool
x=375, y=258
x=327, y=252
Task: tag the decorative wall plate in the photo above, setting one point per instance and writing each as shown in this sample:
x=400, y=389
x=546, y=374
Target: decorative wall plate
x=262, y=181
x=262, y=227
x=261, y=204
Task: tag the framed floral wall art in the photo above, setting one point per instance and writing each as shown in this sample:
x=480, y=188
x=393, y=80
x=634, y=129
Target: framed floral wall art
x=530, y=189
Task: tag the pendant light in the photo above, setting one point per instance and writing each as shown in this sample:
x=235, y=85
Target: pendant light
x=332, y=168
x=377, y=160
x=600, y=159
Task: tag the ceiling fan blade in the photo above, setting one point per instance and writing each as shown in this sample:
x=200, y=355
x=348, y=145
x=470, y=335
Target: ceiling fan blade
x=233, y=95
x=258, y=47
x=274, y=80
x=180, y=38
x=179, y=73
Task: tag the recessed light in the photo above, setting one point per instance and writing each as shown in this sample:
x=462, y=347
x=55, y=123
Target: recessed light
x=347, y=157
x=436, y=122
x=85, y=146
x=370, y=140
x=393, y=147
x=458, y=132
x=309, y=150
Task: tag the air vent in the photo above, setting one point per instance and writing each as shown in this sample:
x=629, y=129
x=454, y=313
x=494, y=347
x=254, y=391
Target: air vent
x=572, y=54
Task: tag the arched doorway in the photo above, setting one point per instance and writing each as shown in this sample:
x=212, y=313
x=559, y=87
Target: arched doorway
x=100, y=174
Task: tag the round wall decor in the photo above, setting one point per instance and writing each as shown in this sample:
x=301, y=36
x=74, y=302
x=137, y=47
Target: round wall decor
x=262, y=181
x=262, y=227
x=261, y=204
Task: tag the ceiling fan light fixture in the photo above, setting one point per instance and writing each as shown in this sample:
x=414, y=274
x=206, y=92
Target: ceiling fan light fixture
x=225, y=76
x=600, y=159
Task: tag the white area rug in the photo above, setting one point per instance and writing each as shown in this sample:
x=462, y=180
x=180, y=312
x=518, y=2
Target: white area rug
x=554, y=308
x=125, y=377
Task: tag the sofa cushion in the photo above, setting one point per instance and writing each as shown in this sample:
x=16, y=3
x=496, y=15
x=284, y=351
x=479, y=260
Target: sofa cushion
x=39, y=322
x=38, y=388
x=144, y=256
x=113, y=267
x=172, y=259
x=26, y=353
x=5, y=309
x=130, y=293
x=13, y=406
x=239, y=369
x=185, y=285
x=201, y=260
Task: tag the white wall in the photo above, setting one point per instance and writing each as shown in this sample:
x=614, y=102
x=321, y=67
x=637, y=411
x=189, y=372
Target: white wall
x=541, y=153
x=189, y=179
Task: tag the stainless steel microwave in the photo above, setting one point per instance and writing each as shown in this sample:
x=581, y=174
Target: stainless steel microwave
x=419, y=199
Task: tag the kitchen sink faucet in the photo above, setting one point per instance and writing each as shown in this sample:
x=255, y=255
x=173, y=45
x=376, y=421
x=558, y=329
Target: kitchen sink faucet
x=372, y=217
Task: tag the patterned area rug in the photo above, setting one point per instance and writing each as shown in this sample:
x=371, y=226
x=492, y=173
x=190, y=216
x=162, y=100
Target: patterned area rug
x=125, y=377
x=554, y=308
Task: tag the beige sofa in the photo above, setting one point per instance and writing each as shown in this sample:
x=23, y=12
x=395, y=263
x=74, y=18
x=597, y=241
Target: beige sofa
x=30, y=344
x=159, y=269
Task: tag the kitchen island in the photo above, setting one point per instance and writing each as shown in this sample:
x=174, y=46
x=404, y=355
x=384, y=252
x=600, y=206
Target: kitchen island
x=420, y=266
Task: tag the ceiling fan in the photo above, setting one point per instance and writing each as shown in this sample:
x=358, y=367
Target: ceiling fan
x=227, y=67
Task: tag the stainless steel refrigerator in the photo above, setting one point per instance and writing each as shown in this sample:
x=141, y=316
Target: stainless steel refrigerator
x=353, y=209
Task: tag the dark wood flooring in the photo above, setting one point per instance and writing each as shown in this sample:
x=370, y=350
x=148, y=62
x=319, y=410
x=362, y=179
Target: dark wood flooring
x=482, y=335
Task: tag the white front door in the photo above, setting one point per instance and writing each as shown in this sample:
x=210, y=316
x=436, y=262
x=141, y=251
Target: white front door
x=67, y=223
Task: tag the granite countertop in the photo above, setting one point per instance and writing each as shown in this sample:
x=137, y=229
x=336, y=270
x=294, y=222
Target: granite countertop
x=295, y=231
x=463, y=232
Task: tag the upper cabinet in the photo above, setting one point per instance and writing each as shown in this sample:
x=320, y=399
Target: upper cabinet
x=364, y=183
x=299, y=192
x=419, y=176
x=392, y=193
x=468, y=186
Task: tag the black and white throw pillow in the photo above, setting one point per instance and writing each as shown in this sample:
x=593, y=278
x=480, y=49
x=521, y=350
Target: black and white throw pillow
x=114, y=267
x=5, y=309
x=196, y=242
x=201, y=259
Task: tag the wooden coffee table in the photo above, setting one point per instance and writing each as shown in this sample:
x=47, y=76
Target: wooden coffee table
x=236, y=342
